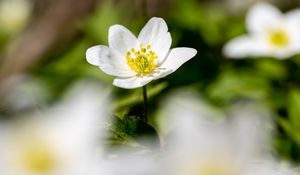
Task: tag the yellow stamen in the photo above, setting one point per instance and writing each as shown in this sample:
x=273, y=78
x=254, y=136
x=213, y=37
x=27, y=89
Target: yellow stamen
x=38, y=159
x=141, y=61
x=279, y=38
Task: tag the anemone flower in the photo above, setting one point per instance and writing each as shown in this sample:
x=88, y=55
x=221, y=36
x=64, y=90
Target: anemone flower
x=271, y=33
x=201, y=144
x=60, y=141
x=137, y=61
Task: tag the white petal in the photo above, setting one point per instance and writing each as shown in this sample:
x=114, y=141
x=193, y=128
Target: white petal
x=293, y=16
x=248, y=126
x=284, y=53
x=154, y=27
x=162, y=46
x=177, y=57
x=155, y=33
x=161, y=73
x=121, y=39
x=244, y=46
x=131, y=83
x=292, y=20
x=262, y=17
x=93, y=55
x=291, y=25
x=109, y=61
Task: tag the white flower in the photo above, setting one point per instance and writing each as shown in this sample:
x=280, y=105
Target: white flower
x=14, y=14
x=271, y=33
x=61, y=141
x=199, y=144
x=137, y=61
x=129, y=164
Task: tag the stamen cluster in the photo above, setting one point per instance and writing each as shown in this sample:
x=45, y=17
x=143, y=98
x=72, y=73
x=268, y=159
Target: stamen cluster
x=38, y=158
x=278, y=38
x=141, y=61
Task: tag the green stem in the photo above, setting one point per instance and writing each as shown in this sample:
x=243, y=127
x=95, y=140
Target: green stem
x=145, y=118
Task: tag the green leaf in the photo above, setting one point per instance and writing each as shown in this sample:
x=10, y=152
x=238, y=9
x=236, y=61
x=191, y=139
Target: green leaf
x=271, y=68
x=236, y=84
x=290, y=130
x=294, y=108
x=132, y=131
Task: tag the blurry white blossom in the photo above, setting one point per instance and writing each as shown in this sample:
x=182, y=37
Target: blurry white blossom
x=128, y=164
x=23, y=92
x=201, y=144
x=271, y=33
x=14, y=14
x=202, y=141
x=240, y=6
x=137, y=61
x=63, y=140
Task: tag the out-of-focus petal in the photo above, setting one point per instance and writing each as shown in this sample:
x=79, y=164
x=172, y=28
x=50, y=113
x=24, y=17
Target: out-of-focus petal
x=108, y=61
x=61, y=140
x=262, y=17
x=293, y=25
x=293, y=16
x=245, y=46
x=249, y=128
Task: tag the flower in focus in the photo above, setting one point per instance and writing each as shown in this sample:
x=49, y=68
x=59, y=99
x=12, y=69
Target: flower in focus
x=61, y=141
x=271, y=33
x=137, y=61
x=199, y=144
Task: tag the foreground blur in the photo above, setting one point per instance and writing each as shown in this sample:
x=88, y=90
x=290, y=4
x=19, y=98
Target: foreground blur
x=196, y=139
x=62, y=139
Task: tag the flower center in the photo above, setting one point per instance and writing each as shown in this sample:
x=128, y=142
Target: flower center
x=141, y=61
x=209, y=166
x=214, y=170
x=279, y=38
x=38, y=158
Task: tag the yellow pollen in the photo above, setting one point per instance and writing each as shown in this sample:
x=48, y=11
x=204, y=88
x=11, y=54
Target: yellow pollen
x=142, y=60
x=38, y=159
x=278, y=38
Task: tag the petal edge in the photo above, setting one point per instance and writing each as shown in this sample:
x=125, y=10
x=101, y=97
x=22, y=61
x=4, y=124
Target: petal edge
x=177, y=57
x=131, y=83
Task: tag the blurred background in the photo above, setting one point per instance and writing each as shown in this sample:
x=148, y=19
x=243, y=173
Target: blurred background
x=46, y=40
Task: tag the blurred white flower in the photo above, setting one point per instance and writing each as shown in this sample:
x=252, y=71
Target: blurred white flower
x=239, y=7
x=129, y=164
x=271, y=33
x=61, y=141
x=137, y=61
x=201, y=145
x=23, y=92
x=14, y=14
